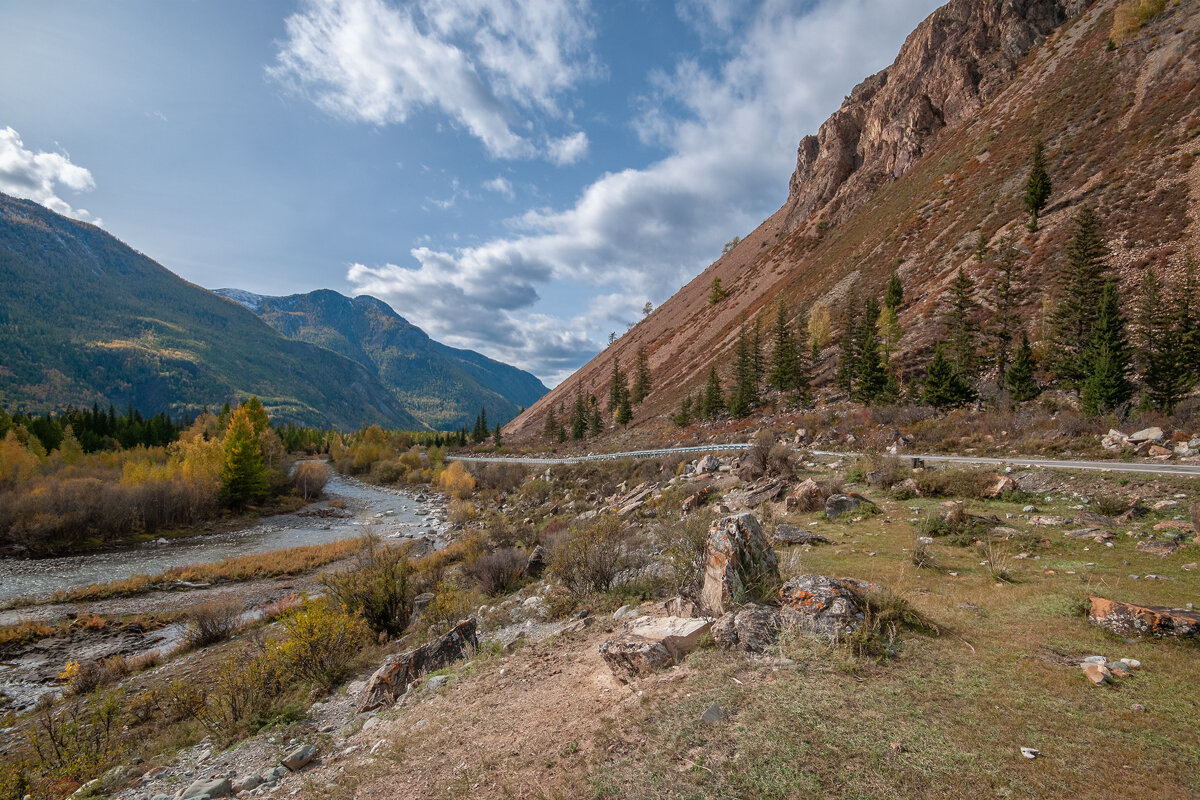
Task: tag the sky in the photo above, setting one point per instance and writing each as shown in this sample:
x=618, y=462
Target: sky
x=515, y=177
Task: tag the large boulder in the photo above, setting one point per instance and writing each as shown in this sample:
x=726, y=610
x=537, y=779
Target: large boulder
x=752, y=628
x=392, y=678
x=805, y=497
x=709, y=463
x=1154, y=434
x=1125, y=619
x=652, y=643
x=839, y=504
x=740, y=564
x=208, y=787
x=832, y=607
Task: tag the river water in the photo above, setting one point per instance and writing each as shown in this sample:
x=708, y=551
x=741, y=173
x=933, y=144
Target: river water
x=388, y=513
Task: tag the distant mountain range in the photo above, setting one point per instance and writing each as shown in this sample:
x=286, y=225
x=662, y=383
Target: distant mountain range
x=86, y=319
x=442, y=386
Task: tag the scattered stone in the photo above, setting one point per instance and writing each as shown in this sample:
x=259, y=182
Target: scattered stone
x=1029, y=510
x=208, y=787
x=805, y=497
x=398, y=671
x=1158, y=451
x=832, y=607
x=752, y=628
x=1094, y=520
x=1094, y=534
x=247, y=784
x=1174, y=525
x=681, y=607
x=621, y=612
x=709, y=463
x=536, y=564
x=436, y=682
x=1030, y=752
x=1047, y=520
x=651, y=643
x=274, y=774
x=1126, y=619
x=1095, y=660
x=739, y=563
x=1154, y=434
x=1132, y=663
x=299, y=758
x=370, y=723
x=839, y=504
x=1003, y=484
x=1118, y=668
x=790, y=534
x=696, y=500
x=1137, y=707
x=1098, y=674
x=1160, y=549
x=712, y=715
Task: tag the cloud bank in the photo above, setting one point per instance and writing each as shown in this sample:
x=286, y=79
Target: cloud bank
x=38, y=176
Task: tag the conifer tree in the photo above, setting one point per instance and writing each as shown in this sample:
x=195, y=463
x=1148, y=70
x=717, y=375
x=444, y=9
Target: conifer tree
x=1080, y=283
x=1005, y=321
x=618, y=388
x=496, y=436
x=869, y=379
x=818, y=330
x=785, y=358
x=1105, y=361
x=641, y=377
x=551, y=428
x=757, y=363
x=1165, y=374
x=596, y=424
x=243, y=475
x=1187, y=324
x=624, y=412
x=847, y=364
x=894, y=295
x=579, y=419
x=1019, y=376
x=981, y=248
x=944, y=387
x=1037, y=186
x=256, y=412
x=959, y=321
x=684, y=416
x=480, y=431
x=713, y=402
x=889, y=333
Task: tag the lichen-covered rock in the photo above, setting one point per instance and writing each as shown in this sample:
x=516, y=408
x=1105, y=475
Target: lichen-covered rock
x=752, y=628
x=536, y=564
x=652, y=643
x=1126, y=619
x=299, y=758
x=395, y=674
x=805, y=497
x=790, y=534
x=839, y=504
x=831, y=607
x=740, y=564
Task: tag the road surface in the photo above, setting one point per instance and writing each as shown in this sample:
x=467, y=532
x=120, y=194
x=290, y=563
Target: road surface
x=1145, y=467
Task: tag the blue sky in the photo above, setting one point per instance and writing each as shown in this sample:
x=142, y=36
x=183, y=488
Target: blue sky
x=514, y=177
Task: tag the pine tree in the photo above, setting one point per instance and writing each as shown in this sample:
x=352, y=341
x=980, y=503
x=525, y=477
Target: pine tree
x=981, y=248
x=596, y=424
x=869, y=379
x=496, y=436
x=959, y=321
x=684, y=417
x=1165, y=375
x=243, y=476
x=713, y=402
x=480, y=431
x=624, y=412
x=1105, y=361
x=889, y=333
x=578, y=417
x=894, y=295
x=784, y=361
x=1081, y=282
x=1037, y=186
x=847, y=364
x=716, y=292
x=1005, y=320
x=551, y=428
x=1019, y=376
x=1187, y=324
x=618, y=388
x=745, y=390
x=641, y=378
x=757, y=362
x=944, y=387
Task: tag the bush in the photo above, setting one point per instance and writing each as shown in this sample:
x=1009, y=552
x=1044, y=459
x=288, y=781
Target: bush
x=451, y=603
x=457, y=481
x=377, y=588
x=590, y=558
x=213, y=621
x=323, y=644
x=884, y=614
x=1110, y=505
x=242, y=687
x=500, y=571
x=683, y=544
x=79, y=739
x=967, y=483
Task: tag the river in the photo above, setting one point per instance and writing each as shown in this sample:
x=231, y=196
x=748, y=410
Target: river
x=388, y=513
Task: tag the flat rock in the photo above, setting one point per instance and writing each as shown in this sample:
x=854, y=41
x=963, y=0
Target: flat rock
x=299, y=758
x=752, y=628
x=1094, y=520
x=1127, y=619
x=1096, y=673
x=651, y=643
x=1154, y=434
x=1160, y=549
x=1047, y=520
x=712, y=715
x=839, y=504
x=790, y=534
x=208, y=787
x=739, y=564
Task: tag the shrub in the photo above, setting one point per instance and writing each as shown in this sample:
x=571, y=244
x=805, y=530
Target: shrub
x=213, y=621
x=1131, y=15
x=590, y=558
x=451, y=603
x=500, y=571
x=323, y=644
x=242, y=687
x=967, y=483
x=683, y=544
x=884, y=614
x=457, y=481
x=922, y=551
x=1110, y=505
x=79, y=739
x=377, y=588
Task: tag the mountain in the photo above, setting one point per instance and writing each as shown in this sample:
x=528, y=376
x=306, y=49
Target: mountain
x=441, y=386
x=85, y=319
x=933, y=151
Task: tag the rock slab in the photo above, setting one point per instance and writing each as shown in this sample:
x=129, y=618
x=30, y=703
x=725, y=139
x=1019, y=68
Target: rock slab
x=1126, y=619
x=740, y=564
x=790, y=534
x=831, y=607
x=299, y=758
x=209, y=787
x=652, y=643
x=395, y=674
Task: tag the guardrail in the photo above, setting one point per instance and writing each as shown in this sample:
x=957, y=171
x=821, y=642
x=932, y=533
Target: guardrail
x=665, y=451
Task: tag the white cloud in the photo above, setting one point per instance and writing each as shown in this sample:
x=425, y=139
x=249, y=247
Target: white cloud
x=500, y=185
x=638, y=234
x=37, y=176
x=481, y=62
x=568, y=149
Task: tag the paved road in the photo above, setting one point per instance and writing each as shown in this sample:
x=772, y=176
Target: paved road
x=1147, y=467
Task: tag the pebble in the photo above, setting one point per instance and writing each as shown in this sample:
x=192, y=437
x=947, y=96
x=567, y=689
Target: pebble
x=1132, y=663
x=1030, y=752
x=712, y=715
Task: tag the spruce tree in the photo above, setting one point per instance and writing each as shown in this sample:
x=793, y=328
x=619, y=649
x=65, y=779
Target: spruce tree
x=959, y=321
x=496, y=436
x=713, y=402
x=1037, y=186
x=869, y=379
x=1080, y=284
x=785, y=358
x=981, y=248
x=1019, y=376
x=596, y=423
x=624, y=412
x=745, y=390
x=1105, y=361
x=1187, y=325
x=894, y=295
x=889, y=333
x=847, y=364
x=1005, y=320
x=618, y=389
x=551, y=428
x=757, y=362
x=684, y=417
x=243, y=474
x=578, y=417
x=1165, y=374
x=944, y=387
x=641, y=378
